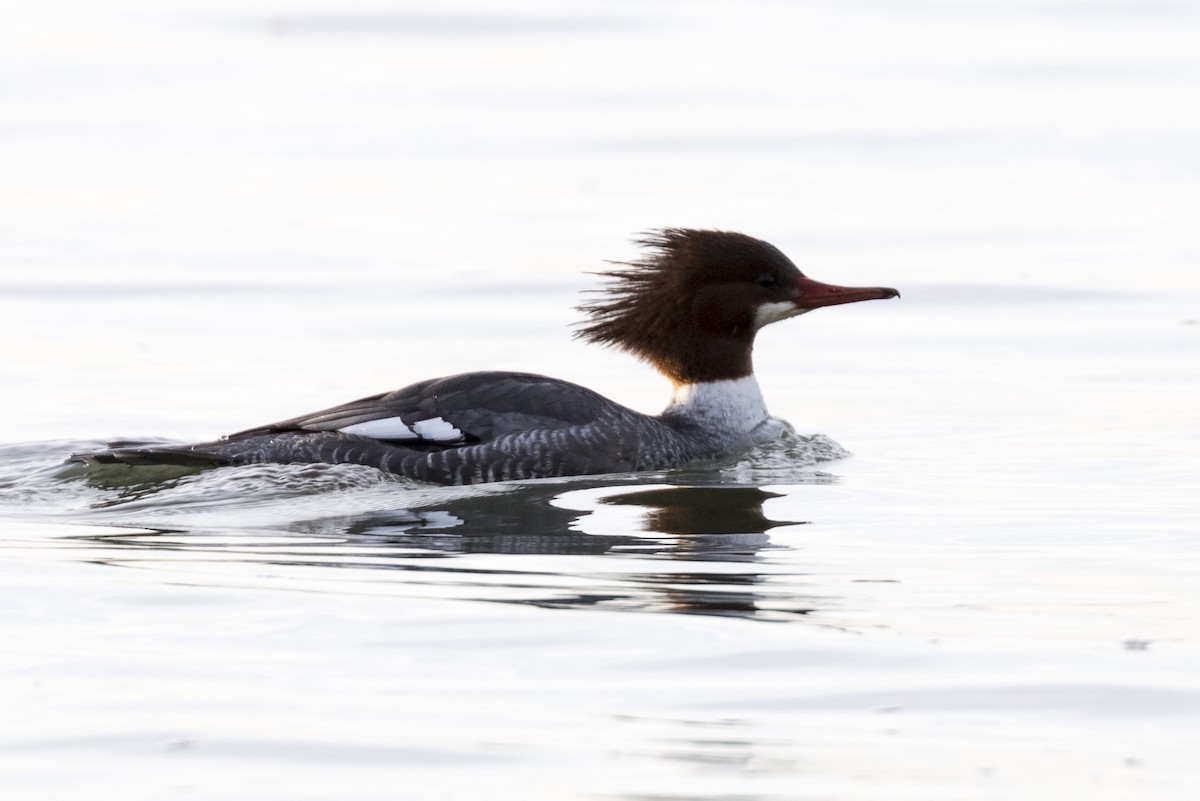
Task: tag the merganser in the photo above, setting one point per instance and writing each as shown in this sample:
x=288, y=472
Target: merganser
x=690, y=306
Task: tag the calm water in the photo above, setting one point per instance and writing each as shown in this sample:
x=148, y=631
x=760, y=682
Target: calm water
x=218, y=215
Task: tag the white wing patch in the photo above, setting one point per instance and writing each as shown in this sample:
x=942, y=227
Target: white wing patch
x=435, y=429
x=384, y=428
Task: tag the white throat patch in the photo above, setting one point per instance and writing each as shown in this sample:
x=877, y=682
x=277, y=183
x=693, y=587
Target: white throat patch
x=774, y=312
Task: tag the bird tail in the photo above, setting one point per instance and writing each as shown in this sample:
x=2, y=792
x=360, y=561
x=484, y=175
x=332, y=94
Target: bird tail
x=149, y=454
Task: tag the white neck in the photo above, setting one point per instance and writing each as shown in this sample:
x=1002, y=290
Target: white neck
x=731, y=406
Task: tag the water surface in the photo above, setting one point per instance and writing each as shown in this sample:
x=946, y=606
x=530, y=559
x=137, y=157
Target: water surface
x=222, y=215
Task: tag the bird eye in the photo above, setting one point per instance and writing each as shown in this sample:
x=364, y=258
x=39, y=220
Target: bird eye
x=767, y=280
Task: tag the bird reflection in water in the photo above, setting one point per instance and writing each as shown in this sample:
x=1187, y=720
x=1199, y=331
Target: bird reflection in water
x=693, y=550
x=707, y=524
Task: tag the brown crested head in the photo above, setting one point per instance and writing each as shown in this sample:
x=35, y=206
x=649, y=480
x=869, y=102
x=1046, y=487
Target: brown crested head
x=693, y=303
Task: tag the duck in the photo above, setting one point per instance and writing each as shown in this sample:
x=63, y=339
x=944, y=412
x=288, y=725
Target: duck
x=690, y=306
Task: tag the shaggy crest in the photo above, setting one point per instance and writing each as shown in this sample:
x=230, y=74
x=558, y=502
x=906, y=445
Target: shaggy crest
x=652, y=307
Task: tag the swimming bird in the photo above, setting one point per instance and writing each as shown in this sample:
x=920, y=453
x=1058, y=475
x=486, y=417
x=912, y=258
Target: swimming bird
x=690, y=307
